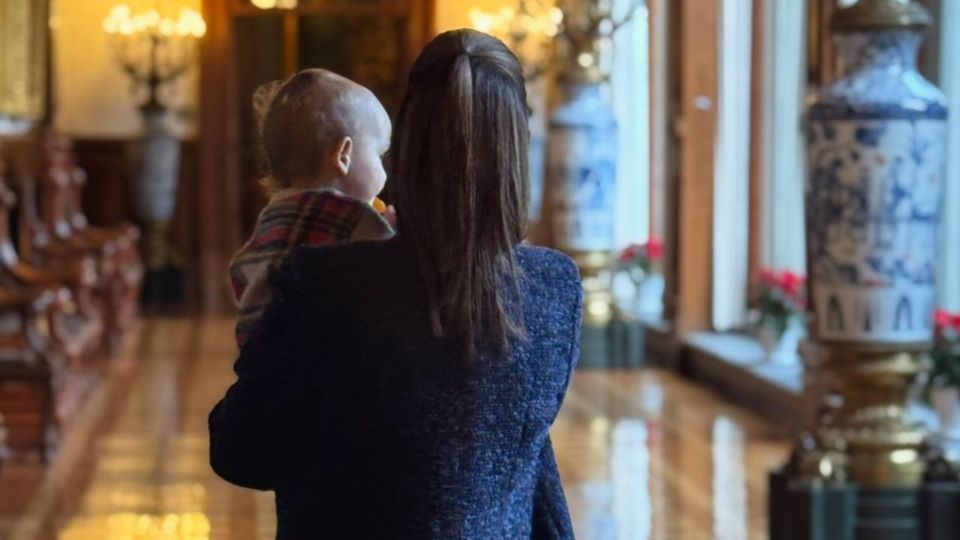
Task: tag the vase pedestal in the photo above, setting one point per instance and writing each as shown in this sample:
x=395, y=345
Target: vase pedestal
x=819, y=511
x=156, y=197
x=595, y=272
x=164, y=283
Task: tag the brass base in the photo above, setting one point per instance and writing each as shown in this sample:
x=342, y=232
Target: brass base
x=595, y=270
x=158, y=251
x=868, y=437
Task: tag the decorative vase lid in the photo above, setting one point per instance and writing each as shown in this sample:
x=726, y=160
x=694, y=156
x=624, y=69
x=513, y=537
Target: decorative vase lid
x=868, y=15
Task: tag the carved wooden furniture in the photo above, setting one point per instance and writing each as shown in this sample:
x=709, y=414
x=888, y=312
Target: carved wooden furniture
x=81, y=327
x=59, y=233
x=50, y=340
x=28, y=371
x=123, y=239
x=4, y=451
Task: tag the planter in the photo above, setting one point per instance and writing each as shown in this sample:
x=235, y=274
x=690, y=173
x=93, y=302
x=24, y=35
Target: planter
x=648, y=299
x=946, y=402
x=781, y=349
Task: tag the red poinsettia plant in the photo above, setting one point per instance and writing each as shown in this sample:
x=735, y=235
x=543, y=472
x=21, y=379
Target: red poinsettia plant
x=780, y=299
x=946, y=349
x=645, y=257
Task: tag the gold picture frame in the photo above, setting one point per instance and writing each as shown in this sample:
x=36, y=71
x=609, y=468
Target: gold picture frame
x=24, y=34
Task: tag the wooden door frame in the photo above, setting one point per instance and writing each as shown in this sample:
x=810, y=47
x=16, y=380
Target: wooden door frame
x=217, y=211
x=690, y=235
x=758, y=143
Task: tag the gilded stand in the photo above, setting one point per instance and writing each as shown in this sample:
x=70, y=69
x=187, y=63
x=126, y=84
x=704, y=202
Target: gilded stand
x=876, y=149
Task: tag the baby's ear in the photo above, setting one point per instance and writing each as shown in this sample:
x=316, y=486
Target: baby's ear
x=343, y=156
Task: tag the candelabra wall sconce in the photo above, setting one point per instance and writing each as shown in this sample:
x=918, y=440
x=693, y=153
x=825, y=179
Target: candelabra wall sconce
x=154, y=50
x=275, y=4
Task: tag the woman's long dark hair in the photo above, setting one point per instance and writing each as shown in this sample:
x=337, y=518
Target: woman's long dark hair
x=458, y=173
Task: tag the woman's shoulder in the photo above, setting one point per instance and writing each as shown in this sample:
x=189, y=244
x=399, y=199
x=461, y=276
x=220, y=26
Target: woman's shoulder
x=550, y=276
x=548, y=264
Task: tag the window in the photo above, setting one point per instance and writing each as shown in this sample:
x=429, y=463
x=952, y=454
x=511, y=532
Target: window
x=781, y=162
x=731, y=216
x=630, y=97
x=948, y=50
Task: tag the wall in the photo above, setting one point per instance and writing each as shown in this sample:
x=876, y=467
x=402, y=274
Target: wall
x=453, y=14
x=92, y=96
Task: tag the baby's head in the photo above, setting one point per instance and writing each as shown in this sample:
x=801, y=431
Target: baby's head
x=324, y=130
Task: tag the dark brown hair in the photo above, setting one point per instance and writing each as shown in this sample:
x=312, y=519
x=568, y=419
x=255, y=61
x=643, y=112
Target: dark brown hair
x=458, y=177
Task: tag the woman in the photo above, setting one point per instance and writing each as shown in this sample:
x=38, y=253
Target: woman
x=405, y=389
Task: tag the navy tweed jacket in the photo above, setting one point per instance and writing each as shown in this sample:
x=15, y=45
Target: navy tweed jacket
x=367, y=426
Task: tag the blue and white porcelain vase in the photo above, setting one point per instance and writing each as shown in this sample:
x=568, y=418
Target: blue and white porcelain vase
x=537, y=151
x=876, y=143
x=581, y=155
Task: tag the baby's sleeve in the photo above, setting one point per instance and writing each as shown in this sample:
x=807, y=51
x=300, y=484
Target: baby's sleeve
x=371, y=226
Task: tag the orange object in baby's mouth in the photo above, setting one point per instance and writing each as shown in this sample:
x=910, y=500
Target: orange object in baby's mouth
x=379, y=205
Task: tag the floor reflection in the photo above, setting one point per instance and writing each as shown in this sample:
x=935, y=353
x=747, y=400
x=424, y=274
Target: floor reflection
x=644, y=455
x=649, y=456
x=630, y=473
x=729, y=481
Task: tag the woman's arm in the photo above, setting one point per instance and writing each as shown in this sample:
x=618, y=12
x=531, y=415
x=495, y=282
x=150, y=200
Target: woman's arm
x=260, y=422
x=551, y=517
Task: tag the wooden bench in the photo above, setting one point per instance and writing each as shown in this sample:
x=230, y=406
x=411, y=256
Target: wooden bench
x=60, y=231
x=50, y=337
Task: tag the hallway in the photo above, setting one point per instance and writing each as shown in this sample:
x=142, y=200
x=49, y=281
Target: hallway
x=643, y=454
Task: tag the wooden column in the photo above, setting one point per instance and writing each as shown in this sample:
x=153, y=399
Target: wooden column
x=218, y=205
x=821, y=54
x=665, y=139
x=291, y=43
x=698, y=122
x=757, y=141
x=661, y=112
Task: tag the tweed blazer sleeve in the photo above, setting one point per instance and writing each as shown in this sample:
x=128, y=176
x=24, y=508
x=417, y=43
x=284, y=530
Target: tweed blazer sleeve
x=255, y=427
x=551, y=517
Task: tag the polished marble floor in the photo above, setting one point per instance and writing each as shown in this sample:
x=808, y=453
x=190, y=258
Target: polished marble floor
x=644, y=455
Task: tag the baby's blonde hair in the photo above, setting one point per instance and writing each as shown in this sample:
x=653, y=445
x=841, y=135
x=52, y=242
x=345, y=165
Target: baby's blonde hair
x=262, y=101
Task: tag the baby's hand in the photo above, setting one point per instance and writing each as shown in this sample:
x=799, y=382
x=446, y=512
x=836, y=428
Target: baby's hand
x=390, y=214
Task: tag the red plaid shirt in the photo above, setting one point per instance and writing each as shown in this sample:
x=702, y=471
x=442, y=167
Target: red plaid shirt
x=295, y=217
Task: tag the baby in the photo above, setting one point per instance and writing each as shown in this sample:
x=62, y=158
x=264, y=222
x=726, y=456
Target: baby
x=324, y=138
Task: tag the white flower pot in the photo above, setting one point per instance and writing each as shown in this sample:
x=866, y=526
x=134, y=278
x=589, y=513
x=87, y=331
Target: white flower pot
x=785, y=349
x=946, y=402
x=649, y=299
